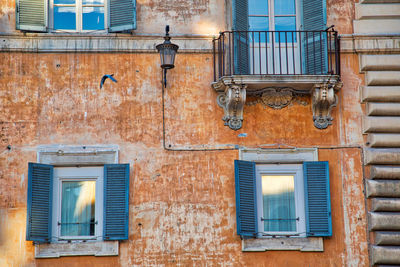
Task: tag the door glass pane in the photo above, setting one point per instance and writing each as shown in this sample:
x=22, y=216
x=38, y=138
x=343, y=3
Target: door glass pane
x=279, y=211
x=64, y=2
x=284, y=7
x=93, y=18
x=92, y=2
x=285, y=24
x=258, y=7
x=64, y=18
x=78, y=208
x=258, y=24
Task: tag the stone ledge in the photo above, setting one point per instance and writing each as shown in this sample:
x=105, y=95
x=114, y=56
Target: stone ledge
x=387, y=221
x=377, y=11
x=381, y=124
x=56, y=250
x=385, y=172
x=384, y=156
x=379, y=62
x=382, y=109
x=385, y=204
x=387, y=238
x=377, y=26
x=385, y=255
x=389, y=78
x=383, y=188
x=100, y=43
x=383, y=140
x=370, y=43
x=380, y=93
x=284, y=243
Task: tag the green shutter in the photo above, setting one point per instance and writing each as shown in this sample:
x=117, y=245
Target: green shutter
x=240, y=24
x=122, y=15
x=116, y=202
x=31, y=15
x=246, y=198
x=314, y=43
x=39, y=204
x=317, y=198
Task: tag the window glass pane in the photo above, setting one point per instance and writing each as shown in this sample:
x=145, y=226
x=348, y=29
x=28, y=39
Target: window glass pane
x=78, y=208
x=284, y=7
x=93, y=18
x=258, y=24
x=279, y=211
x=93, y=2
x=285, y=24
x=64, y=2
x=258, y=7
x=64, y=18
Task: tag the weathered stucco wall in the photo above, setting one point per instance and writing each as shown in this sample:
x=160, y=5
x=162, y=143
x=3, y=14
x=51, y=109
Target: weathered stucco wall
x=182, y=204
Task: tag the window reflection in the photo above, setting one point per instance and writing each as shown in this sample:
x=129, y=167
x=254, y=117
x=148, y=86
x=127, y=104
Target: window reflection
x=279, y=211
x=78, y=208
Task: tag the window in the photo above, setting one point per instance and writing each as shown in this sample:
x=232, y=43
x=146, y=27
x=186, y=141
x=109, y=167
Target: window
x=76, y=15
x=280, y=199
x=290, y=199
x=69, y=203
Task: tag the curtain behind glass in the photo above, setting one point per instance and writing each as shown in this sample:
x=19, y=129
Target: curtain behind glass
x=78, y=208
x=278, y=203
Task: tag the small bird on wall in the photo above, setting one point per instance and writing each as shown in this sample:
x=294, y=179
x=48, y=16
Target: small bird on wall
x=105, y=78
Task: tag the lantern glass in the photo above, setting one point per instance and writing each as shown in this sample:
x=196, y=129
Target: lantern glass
x=167, y=55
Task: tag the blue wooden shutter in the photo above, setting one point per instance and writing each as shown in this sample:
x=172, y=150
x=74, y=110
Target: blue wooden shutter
x=31, y=15
x=39, y=206
x=116, y=201
x=246, y=198
x=315, y=54
x=240, y=23
x=317, y=198
x=122, y=15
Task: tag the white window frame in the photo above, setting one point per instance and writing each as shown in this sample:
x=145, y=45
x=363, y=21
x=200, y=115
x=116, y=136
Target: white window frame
x=79, y=17
x=283, y=169
x=77, y=174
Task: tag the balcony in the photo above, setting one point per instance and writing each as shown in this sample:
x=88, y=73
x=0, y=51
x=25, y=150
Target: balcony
x=276, y=66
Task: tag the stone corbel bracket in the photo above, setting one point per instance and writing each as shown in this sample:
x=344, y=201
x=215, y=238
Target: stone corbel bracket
x=232, y=101
x=323, y=100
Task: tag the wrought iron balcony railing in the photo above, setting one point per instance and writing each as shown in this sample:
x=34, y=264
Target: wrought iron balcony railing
x=276, y=53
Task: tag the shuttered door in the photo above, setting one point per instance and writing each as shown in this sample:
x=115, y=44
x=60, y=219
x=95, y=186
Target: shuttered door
x=246, y=199
x=31, y=15
x=240, y=12
x=314, y=43
x=39, y=204
x=116, y=201
x=317, y=198
x=122, y=15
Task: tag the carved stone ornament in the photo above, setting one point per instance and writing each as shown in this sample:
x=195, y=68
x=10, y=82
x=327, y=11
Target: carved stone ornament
x=275, y=97
x=232, y=101
x=323, y=100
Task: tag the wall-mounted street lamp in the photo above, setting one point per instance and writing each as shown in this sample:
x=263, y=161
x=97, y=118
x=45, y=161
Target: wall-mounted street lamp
x=167, y=52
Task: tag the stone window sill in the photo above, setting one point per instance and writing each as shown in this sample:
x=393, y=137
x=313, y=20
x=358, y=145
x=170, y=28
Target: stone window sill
x=283, y=243
x=56, y=250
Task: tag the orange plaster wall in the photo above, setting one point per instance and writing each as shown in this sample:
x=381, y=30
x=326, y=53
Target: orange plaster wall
x=182, y=204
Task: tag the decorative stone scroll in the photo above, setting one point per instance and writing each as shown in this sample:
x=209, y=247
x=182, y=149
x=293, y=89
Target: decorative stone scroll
x=323, y=100
x=232, y=101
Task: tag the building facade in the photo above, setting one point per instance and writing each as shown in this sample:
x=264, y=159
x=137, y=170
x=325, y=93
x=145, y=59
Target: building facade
x=273, y=142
